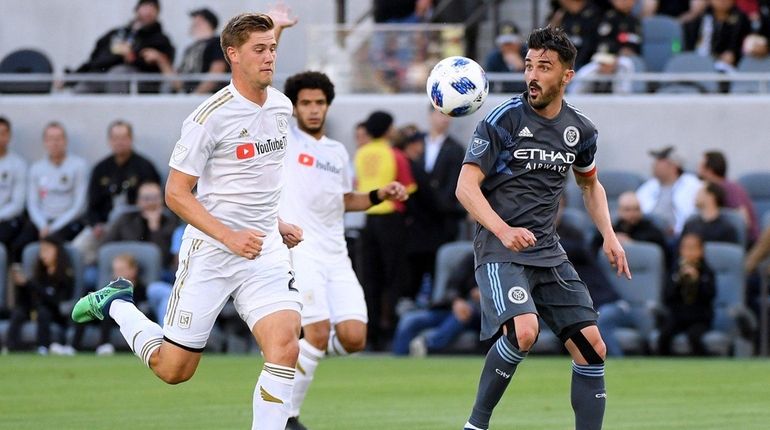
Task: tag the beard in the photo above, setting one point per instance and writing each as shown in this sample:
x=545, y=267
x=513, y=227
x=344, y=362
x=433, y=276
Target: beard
x=309, y=130
x=545, y=97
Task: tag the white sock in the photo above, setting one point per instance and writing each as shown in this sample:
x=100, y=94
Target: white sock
x=308, y=359
x=335, y=348
x=468, y=425
x=142, y=335
x=272, y=397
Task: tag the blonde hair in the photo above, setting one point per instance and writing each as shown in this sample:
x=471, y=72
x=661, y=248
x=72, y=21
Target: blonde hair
x=237, y=31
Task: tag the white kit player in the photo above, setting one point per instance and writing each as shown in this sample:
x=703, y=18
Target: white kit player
x=317, y=192
x=232, y=147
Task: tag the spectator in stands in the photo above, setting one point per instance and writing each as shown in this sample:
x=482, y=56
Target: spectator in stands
x=121, y=50
x=718, y=33
x=362, y=136
x=620, y=31
x=604, y=64
x=51, y=285
x=151, y=223
x=613, y=311
x=402, y=11
x=632, y=225
x=459, y=310
x=384, y=263
x=507, y=58
x=13, y=182
x=670, y=193
x=203, y=56
x=689, y=297
x=713, y=168
x=682, y=10
x=56, y=193
x=156, y=294
x=710, y=224
x=580, y=20
x=113, y=185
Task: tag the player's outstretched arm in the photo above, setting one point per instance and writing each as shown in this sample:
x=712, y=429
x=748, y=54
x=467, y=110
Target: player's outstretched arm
x=180, y=199
x=281, y=15
x=290, y=233
x=470, y=196
x=356, y=201
x=595, y=200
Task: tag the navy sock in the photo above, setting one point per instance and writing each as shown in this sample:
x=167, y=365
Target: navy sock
x=499, y=367
x=588, y=396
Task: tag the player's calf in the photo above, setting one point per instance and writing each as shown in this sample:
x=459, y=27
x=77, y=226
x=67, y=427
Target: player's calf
x=588, y=394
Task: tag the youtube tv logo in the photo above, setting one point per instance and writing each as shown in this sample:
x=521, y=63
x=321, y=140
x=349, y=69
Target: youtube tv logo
x=245, y=151
x=306, y=160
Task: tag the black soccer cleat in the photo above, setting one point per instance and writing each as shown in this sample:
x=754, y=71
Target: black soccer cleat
x=294, y=424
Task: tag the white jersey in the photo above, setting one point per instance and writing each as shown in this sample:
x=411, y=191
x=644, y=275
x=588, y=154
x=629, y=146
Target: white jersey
x=13, y=182
x=236, y=149
x=317, y=178
x=56, y=194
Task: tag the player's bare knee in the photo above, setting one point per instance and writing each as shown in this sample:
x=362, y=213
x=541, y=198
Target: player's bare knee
x=526, y=337
x=174, y=376
x=317, y=334
x=354, y=342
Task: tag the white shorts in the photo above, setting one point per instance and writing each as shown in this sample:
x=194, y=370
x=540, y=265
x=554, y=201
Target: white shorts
x=208, y=276
x=329, y=288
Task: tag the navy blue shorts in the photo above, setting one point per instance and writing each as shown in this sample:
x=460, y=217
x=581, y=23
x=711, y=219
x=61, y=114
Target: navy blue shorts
x=556, y=294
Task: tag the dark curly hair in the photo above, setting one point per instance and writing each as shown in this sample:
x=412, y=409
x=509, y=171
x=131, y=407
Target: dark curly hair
x=554, y=39
x=308, y=80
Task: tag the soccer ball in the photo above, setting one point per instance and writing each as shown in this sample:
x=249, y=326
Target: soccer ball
x=457, y=86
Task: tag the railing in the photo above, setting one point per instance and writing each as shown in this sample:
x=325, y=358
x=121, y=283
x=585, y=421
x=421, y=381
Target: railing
x=62, y=83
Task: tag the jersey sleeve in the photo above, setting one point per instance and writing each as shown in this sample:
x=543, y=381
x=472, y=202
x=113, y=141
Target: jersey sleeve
x=585, y=160
x=485, y=147
x=192, y=151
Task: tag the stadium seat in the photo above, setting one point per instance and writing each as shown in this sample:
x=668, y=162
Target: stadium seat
x=448, y=257
x=737, y=220
x=765, y=221
x=580, y=220
x=616, y=182
x=689, y=62
x=757, y=185
x=730, y=314
x=750, y=65
x=662, y=38
x=642, y=292
x=26, y=61
x=147, y=254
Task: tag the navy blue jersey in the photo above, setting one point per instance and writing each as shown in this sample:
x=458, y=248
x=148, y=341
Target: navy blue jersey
x=525, y=159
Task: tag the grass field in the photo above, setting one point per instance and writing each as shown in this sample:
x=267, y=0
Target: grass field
x=88, y=392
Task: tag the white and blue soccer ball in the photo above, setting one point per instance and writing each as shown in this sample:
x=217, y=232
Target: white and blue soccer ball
x=457, y=86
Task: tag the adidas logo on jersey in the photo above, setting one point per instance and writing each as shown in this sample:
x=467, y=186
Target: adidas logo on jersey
x=525, y=132
x=244, y=133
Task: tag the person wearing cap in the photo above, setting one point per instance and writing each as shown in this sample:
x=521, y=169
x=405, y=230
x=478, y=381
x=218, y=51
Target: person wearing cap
x=670, y=194
x=591, y=77
x=507, y=58
x=377, y=164
x=120, y=50
x=204, y=55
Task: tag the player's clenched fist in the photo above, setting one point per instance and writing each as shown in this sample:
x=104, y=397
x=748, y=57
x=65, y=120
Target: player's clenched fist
x=393, y=191
x=291, y=234
x=246, y=243
x=517, y=238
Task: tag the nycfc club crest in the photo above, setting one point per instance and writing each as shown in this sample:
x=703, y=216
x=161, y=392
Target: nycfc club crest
x=283, y=123
x=571, y=136
x=517, y=295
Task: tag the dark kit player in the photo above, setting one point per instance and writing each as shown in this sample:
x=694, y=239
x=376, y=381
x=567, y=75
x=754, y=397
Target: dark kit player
x=514, y=173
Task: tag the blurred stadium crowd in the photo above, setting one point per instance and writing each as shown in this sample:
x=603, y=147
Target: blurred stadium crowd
x=698, y=242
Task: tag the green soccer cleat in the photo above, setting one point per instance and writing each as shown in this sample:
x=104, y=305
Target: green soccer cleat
x=96, y=305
